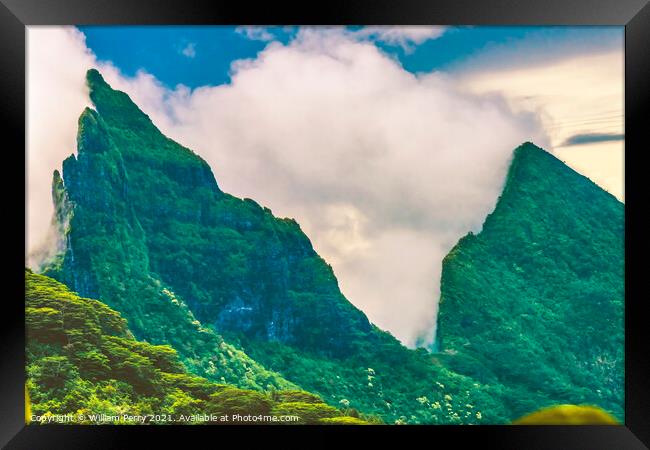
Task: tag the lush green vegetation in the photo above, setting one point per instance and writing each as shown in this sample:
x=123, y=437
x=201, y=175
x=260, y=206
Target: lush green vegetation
x=149, y=232
x=83, y=360
x=389, y=380
x=534, y=303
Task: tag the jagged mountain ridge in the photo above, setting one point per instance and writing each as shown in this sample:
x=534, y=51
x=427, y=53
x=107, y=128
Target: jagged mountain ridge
x=266, y=265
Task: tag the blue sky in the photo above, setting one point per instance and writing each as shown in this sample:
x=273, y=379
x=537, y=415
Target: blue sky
x=201, y=55
x=159, y=50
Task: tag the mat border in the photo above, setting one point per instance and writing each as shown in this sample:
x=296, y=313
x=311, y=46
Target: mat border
x=15, y=15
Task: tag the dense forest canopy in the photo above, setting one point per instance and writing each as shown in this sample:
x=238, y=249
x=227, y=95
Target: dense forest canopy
x=83, y=362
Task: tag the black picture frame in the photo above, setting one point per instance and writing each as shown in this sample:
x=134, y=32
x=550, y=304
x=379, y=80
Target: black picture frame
x=15, y=15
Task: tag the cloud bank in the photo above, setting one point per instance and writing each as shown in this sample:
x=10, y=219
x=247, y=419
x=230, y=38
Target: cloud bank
x=384, y=170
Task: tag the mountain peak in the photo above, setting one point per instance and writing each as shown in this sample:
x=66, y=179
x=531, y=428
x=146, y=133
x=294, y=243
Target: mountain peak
x=117, y=122
x=528, y=149
x=94, y=78
x=532, y=163
x=116, y=107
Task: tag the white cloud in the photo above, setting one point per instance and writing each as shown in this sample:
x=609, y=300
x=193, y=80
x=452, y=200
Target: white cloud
x=404, y=36
x=189, y=50
x=384, y=170
x=255, y=33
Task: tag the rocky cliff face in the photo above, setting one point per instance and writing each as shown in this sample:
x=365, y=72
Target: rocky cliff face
x=147, y=208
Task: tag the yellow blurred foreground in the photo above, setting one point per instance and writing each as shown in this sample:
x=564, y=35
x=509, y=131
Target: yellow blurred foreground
x=568, y=415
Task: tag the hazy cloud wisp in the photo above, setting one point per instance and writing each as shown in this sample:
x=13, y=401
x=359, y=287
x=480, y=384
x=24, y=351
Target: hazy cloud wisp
x=404, y=36
x=189, y=50
x=255, y=33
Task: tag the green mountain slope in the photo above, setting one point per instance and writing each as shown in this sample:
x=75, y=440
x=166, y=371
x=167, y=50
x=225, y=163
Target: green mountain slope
x=148, y=231
x=535, y=301
x=82, y=361
x=106, y=257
